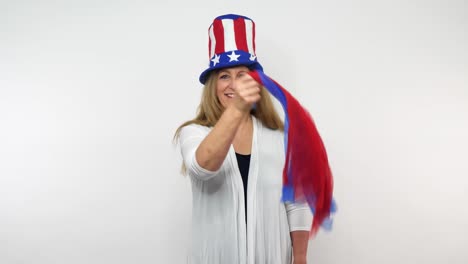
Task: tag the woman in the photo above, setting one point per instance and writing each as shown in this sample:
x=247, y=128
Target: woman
x=233, y=152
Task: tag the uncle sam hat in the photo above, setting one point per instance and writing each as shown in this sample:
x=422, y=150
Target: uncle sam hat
x=231, y=43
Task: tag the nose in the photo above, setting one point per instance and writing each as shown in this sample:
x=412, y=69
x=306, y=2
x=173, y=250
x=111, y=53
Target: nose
x=232, y=84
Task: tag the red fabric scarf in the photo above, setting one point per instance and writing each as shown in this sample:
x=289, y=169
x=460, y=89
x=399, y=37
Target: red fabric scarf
x=306, y=175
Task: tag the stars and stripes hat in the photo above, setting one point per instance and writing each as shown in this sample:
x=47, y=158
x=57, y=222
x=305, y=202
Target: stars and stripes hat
x=231, y=43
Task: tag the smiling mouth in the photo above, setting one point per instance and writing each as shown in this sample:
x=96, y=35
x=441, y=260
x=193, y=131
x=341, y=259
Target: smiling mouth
x=229, y=95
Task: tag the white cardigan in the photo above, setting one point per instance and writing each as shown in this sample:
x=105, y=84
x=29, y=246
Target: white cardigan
x=219, y=232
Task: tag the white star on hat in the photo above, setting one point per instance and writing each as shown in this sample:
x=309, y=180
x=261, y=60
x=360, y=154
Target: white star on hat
x=252, y=57
x=215, y=60
x=233, y=57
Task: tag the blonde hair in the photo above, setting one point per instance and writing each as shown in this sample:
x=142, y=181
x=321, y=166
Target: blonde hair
x=210, y=110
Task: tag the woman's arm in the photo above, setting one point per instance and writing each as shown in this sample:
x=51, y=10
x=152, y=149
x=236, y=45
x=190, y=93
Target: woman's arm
x=300, y=242
x=213, y=149
x=300, y=222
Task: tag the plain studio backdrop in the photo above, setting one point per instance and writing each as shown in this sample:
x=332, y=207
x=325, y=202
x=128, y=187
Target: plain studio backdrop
x=91, y=93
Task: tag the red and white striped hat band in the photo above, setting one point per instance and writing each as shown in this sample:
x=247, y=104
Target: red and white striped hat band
x=231, y=43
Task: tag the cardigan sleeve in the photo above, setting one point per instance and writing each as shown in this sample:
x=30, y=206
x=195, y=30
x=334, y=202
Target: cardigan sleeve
x=299, y=216
x=190, y=138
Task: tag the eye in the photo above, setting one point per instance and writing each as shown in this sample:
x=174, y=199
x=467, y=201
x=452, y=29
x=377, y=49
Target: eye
x=242, y=73
x=224, y=76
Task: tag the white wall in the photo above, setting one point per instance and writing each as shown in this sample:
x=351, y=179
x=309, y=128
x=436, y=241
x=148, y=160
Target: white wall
x=92, y=91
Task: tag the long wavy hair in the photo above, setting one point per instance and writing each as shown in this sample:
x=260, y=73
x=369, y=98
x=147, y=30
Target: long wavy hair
x=210, y=110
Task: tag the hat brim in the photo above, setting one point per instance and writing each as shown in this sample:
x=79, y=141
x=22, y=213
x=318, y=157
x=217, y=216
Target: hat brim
x=253, y=65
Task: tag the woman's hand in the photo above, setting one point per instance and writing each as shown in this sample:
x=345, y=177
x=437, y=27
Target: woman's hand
x=247, y=93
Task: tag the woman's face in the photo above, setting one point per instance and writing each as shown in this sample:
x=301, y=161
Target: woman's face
x=226, y=83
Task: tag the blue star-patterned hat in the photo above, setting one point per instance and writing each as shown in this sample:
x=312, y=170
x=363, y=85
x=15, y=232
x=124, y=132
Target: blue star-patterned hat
x=231, y=43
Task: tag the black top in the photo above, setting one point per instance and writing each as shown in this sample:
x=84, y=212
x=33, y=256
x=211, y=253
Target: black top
x=244, y=163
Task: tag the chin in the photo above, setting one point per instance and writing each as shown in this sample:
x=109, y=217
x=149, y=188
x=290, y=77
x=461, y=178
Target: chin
x=225, y=105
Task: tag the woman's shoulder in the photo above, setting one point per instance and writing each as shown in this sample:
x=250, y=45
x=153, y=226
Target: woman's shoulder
x=194, y=130
x=267, y=130
x=270, y=136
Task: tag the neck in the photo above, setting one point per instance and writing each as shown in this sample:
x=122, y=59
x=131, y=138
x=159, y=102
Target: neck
x=246, y=121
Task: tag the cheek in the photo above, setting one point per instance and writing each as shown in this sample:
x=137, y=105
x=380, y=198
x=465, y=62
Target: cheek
x=219, y=88
x=220, y=94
